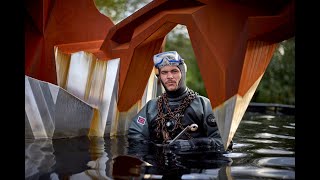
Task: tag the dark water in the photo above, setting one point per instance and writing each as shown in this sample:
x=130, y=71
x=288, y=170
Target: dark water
x=264, y=148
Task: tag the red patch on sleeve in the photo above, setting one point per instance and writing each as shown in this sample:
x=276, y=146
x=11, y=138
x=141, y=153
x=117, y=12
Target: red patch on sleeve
x=141, y=120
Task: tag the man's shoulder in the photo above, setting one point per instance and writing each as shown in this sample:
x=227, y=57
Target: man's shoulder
x=199, y=96
x=202, y=98
x=152, y=102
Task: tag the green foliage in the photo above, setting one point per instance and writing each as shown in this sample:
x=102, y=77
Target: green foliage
x=117, y=10
x=113, y=9
x=278, y=83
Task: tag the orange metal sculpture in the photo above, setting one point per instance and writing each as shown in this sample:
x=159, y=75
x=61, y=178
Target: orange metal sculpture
x=233, y=41
x=53, y=22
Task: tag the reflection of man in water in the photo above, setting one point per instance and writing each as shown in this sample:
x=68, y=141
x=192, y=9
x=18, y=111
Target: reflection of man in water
x=163, y=118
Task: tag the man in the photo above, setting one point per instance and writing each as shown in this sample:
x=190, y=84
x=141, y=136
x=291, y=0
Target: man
x=163, y=118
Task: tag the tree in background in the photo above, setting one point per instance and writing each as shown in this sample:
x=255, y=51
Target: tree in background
x=278, y=83
x=117, y=10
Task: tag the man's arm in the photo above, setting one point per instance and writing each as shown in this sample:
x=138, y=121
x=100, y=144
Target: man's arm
x=210, y=124
x=138, y=129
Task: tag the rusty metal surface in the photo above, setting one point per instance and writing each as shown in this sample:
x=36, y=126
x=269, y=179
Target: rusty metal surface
x=52, y=22
x=223, y=34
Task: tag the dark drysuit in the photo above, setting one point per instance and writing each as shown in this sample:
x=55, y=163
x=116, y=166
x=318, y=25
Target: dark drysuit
x=199, y=111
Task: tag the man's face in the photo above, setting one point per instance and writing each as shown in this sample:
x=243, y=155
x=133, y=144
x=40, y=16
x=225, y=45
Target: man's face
x=170, y=77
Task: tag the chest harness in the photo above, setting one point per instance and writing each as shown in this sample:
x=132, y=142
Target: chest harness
x=175, y=116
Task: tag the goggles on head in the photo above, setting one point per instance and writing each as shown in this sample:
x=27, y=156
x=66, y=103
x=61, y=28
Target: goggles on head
x=171, y=58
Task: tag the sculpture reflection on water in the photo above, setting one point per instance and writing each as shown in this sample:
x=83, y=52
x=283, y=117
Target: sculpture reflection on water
x=84, y=158
x=263, y=148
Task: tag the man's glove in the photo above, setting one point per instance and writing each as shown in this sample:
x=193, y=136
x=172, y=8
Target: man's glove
x=181, y=144
x=196, y=143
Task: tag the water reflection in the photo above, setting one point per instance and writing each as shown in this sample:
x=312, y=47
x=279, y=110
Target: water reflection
x=236, y=155
x=97, y=165
x=259, y=152
x=76, y=158
x=260, y=173
x=261, y=141
x=174, y=164
x=39, y=158
x=273, y=151
x=269, y=135
x=277, y=162
x=89, y=158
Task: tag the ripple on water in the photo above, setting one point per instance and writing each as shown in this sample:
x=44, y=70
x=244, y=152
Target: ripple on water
x=251, y=122
x=277, y=161
x=274, y=127
x=235, y=155
x=289, y=127
x=245, y=171
x=241, y=145
x=269, y=135
x=268, y=117
x=261, y=141
x=273, y=151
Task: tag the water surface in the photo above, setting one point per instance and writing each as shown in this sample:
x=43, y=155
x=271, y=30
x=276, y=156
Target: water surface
x=264, y=148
